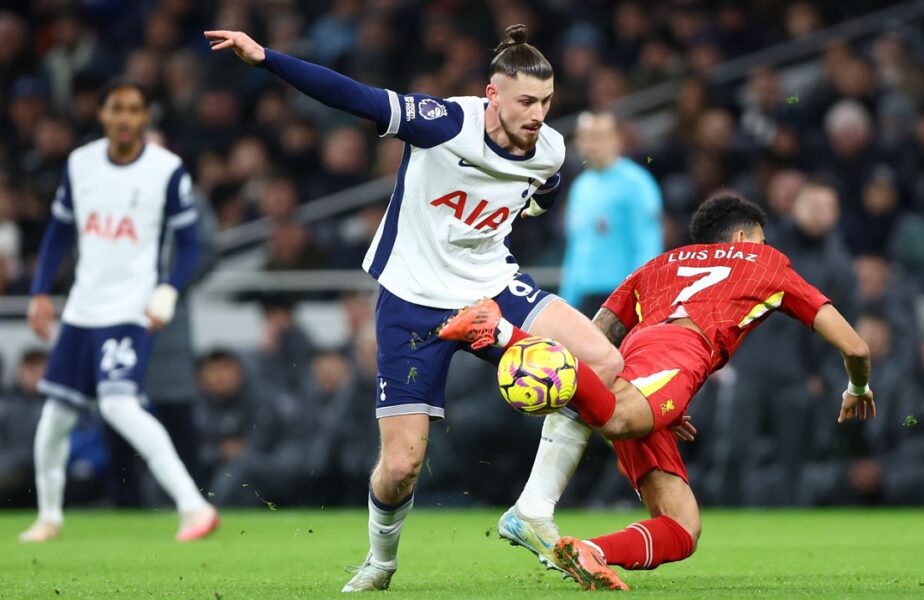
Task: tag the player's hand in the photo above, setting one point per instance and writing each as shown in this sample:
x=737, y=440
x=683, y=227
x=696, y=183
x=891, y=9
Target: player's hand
x=684, y=431
x=857, y=407
x=41, y=315
x=161, y=306
x=243, y=45
x=532, y=209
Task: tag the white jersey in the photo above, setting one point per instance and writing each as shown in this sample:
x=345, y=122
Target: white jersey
x=442, y=242
x=120, y=213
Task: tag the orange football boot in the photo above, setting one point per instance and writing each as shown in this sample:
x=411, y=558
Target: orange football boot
x=475, y=324
x=583, y=562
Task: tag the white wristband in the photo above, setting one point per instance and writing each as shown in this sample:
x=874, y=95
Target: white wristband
x=857, y=390
x=163, y=302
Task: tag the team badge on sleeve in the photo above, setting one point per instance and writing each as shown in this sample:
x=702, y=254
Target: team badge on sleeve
x=430, y=109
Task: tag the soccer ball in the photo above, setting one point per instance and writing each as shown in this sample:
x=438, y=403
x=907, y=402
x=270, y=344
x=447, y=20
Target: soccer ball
x=537, y=376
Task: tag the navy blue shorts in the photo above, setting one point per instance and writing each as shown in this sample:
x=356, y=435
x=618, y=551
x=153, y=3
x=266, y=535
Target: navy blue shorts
x=95, y=362
x=413, y=362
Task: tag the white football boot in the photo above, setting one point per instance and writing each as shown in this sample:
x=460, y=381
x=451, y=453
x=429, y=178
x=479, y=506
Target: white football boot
x=40, y=531
x=369, y=577
x=536, y=535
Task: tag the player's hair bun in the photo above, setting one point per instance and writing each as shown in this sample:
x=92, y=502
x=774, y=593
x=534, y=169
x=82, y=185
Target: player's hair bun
x=515, y=55
x=513, y=35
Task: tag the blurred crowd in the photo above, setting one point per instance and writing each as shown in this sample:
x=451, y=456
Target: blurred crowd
x=836, y=162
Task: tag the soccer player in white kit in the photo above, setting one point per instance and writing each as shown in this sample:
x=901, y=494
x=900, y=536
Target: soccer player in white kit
x=470, y=166
x=122, y=199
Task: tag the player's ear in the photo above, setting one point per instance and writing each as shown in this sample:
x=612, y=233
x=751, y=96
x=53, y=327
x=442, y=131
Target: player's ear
x=490, y=93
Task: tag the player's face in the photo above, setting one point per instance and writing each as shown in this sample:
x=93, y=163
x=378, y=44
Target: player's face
x=124, y=117
x=598, y=140
x=522, y=103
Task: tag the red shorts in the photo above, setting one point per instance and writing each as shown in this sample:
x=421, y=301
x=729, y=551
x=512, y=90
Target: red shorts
x=668, y=364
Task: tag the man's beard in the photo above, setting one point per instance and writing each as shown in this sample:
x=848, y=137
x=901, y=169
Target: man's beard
x=518, y=140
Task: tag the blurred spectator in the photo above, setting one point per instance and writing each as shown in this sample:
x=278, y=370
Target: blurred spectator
x=782, y=189
x=15, y=58
x=299, y=463
x=278, y=199
x=612, y=219
x=10, y=242
x=284, y=352
x=801, y=19
x=74, y=49
x=354, y=236
x=233, y=413
x=344, y=161
x=291, y=247
x=20, y=409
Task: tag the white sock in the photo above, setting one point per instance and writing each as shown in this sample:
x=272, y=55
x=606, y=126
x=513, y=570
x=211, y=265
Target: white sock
x=385, y=523
x=52, y=447
x=560, y=450
x=149, y=438
x=504, y=333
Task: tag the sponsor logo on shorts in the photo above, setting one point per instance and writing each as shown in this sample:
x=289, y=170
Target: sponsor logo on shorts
x=667, y=407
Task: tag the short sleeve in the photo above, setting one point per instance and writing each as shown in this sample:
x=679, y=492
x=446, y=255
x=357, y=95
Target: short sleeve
x=623, y=302
x=801, y=300
x=180, y=208
x=423, y=121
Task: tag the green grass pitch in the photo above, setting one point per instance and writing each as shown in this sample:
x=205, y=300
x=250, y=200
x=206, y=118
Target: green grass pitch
x=457, y=554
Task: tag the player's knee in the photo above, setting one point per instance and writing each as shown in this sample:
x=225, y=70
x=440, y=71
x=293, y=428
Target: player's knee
x=111, y=407
x=57, y=417
x=401, y=470
x=617, y=429
x=632, y=416
x=695, y=529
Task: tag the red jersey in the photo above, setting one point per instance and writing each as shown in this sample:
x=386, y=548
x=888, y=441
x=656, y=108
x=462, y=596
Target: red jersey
x=726, y=289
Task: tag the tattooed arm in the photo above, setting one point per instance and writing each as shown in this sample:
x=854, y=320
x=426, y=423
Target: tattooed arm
x=607, y=322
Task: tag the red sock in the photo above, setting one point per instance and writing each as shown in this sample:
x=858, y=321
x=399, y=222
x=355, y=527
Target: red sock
x=646, y=544
x=592, y=400
x=517, y=335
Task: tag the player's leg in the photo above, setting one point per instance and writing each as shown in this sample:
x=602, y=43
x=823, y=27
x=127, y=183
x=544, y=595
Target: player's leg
x=412, y=369
x=68, y=381
x=564, y=438
x=123, y=355
x=391, y=497
x=574, y=331
x=674, y=529
x=656, y=470
x=52, y=448
x=665, y=366
x=149, y=438
x=391, y=487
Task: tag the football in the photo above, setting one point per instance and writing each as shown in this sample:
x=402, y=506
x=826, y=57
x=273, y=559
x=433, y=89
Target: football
x=537, y=376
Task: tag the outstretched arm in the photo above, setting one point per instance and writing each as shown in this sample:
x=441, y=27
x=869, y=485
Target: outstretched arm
x=322, y=84
x=394, y=114
x=857, y=400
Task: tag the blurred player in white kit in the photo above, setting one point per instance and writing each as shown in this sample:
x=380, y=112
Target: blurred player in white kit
x=122, y=199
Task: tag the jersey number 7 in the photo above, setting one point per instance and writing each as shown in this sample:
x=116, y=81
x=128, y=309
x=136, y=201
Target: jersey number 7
x=713, y=275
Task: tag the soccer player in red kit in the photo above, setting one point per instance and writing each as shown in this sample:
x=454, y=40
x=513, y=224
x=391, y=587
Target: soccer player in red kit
x=676, y=320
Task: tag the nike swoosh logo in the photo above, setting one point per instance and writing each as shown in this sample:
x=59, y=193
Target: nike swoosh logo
x=462, y=163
